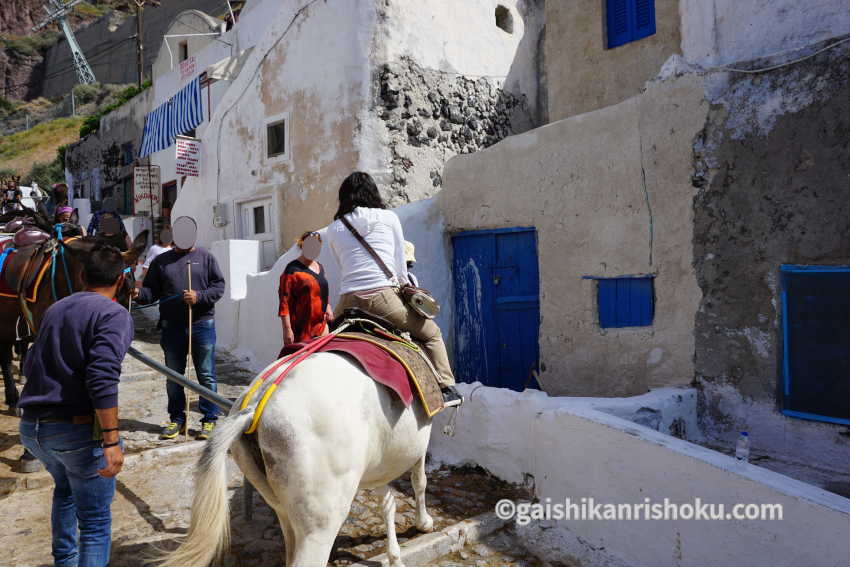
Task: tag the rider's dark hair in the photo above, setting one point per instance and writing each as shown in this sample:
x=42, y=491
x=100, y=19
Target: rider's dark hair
x=358, y=190
x=102, y=266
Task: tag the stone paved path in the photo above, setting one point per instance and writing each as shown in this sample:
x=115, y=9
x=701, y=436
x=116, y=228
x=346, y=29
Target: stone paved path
x=151, y=509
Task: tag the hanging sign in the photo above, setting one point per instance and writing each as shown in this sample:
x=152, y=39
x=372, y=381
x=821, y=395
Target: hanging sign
x=187, y=68
x=188, y=156
x=146, y=189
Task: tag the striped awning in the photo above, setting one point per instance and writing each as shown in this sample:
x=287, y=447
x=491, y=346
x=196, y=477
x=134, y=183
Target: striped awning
x=181, y=113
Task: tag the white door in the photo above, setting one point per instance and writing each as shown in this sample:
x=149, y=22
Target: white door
x=257, y=225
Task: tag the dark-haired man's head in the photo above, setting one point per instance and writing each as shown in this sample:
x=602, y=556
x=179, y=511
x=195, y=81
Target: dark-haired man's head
x=103, y=269
x=358, y=190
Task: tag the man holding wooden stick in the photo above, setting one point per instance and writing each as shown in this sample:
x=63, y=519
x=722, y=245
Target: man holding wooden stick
x=187, y=281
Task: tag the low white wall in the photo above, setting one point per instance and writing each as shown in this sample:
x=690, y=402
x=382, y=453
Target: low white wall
x=246, y=317
x=567, y=447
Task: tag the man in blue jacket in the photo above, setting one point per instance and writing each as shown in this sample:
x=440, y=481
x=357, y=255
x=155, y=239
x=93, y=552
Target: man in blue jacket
x=70, y=408
x=167, y=280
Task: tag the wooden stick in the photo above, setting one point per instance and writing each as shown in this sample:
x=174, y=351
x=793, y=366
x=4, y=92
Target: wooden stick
x=189, y=362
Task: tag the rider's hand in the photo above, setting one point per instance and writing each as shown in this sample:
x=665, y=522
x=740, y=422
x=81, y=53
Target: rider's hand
x=190, y=297
x=114, y=458
x=288, y=337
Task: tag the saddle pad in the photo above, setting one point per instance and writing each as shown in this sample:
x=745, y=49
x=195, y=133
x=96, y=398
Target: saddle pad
x=32, y=291
x=393, y=362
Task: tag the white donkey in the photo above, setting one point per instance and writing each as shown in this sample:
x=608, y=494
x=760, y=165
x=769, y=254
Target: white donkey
x=327, y=431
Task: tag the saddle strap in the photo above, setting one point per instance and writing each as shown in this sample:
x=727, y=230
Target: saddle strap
x=22, y=297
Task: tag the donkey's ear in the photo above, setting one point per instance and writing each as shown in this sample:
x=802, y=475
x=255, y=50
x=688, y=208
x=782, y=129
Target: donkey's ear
x=139, y=245
x=75, y=217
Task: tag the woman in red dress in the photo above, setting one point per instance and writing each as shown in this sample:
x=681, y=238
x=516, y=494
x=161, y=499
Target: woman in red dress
x=304, y=310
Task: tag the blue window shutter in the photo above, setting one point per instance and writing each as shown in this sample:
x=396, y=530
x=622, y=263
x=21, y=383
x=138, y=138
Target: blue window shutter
x=607, y=301
x=644, y=18
x=625, y=302
x=618, y=22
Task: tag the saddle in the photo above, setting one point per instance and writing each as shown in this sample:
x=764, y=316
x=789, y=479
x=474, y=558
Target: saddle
x=26, y=258
x=383, y=353
x=387, y=354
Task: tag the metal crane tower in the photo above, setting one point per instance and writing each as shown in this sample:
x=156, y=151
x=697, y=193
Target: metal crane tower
x=56, y=12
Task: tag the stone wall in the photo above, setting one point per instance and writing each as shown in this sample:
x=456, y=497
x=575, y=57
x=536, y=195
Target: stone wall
x=771, y=167
x=433, y=116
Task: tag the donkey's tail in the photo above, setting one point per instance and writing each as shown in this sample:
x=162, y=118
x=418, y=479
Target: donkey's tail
x=209, y=530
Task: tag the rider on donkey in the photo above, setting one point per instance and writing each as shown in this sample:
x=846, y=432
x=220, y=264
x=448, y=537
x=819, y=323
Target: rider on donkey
x=364, y=284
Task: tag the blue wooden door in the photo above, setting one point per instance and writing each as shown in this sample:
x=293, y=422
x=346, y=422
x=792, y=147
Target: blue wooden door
x=497, y=307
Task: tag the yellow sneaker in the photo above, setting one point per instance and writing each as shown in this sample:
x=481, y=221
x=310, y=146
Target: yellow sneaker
x=172, y=430
x=206, y=430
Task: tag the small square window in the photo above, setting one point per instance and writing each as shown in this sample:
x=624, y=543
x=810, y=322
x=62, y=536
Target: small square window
x=625, y=302
x=629, y=20
x=276, y=138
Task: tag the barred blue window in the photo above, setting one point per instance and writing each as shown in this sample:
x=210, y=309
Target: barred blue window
x=629, y=20
x=625, y=302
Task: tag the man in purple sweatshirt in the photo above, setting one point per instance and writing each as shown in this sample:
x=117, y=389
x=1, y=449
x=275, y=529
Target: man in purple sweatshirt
x=70, y=408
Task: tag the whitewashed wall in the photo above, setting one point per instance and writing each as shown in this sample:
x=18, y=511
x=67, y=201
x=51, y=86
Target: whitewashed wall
x=568, y=448
x=462, y=37
x=718, y=32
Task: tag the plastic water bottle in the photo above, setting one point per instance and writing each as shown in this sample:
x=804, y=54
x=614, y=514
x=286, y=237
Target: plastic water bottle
x=742, y=449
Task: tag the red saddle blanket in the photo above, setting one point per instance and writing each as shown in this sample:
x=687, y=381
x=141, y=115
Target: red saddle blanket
x=382, y=367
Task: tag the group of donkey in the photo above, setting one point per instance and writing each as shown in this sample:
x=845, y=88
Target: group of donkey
x=328, y=431
x=34, y=239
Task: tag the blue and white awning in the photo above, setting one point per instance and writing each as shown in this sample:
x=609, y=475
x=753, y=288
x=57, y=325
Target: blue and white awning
x=181, y=113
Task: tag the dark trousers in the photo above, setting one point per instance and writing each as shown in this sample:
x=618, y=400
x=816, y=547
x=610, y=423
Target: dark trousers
x=175, y=344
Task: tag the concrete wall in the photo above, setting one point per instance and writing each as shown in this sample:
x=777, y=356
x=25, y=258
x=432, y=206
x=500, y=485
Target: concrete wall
x=95, y=163
x=772, y=167
x=567, y=448
x=718, y=32
x=110, y=46
x=583, y=74
x=609, y=193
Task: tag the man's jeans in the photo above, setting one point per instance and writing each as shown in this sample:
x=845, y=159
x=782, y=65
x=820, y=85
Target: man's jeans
x=81, y=497
x=175, y=343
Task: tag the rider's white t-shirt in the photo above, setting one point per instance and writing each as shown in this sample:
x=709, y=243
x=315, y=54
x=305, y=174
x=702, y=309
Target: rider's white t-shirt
x=154, y=251
x=382, y=230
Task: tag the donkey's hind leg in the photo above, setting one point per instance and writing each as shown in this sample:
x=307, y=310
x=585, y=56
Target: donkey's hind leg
x=387, y=497
x=424, y=521
x=11, y=390
x=313, y=518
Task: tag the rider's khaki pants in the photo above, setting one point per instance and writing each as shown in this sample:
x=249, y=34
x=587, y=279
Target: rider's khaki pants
x=387, y=304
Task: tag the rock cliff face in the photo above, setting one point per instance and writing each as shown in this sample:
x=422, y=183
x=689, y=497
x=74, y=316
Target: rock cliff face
x=18, y=16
